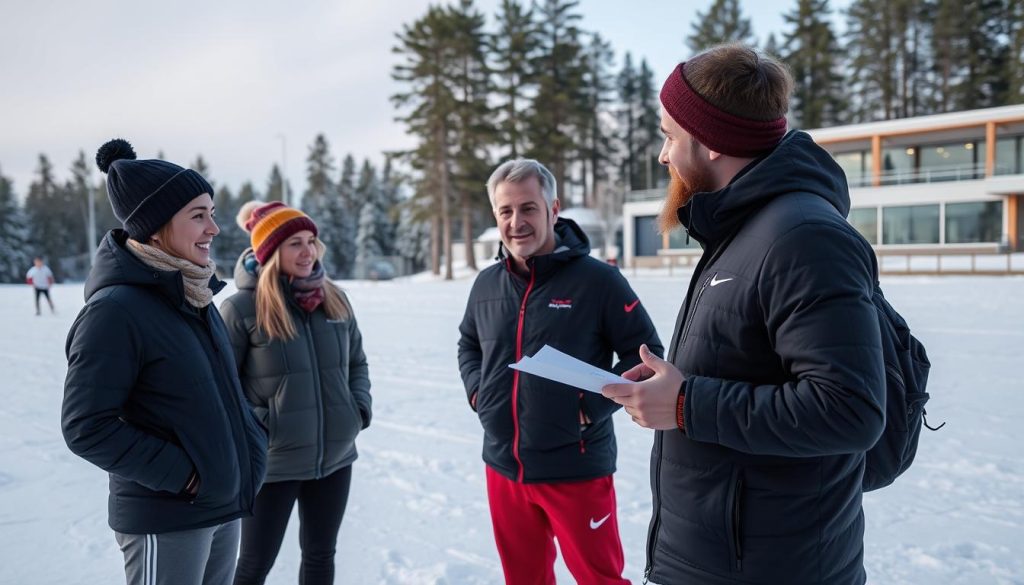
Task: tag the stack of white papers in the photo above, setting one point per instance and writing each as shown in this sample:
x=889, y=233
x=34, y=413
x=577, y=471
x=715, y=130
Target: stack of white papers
x=554, y=365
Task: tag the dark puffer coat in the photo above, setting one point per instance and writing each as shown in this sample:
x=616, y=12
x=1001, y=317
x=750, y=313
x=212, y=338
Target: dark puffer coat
x=312, y=392
x=152, y=393
x=575, y=304
x=784, y=392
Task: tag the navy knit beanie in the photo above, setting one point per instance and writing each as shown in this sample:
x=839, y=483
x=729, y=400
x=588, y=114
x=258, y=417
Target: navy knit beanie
x=145, y=194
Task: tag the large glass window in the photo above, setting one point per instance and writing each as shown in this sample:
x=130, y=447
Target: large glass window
x=977, y=221
x=865, y=220
x=646, y=237
x=910, y=224
x=1010, y=155
x=898, y=165
x=854, y=165
x=955, y=161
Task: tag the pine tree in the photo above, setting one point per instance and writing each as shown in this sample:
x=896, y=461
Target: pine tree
x=1015, y=53
x=319, y=170
x=200, y=166
x=648, y=126
x=275, y=185
x=512, y=48
x=232, y=240
x=342, y=217
x=247, y=192
x=628, y=114
x=722, y=23
x=596, y=138
x=390, y=187
x=475, y=131
x=347, y=185
x=413, y=243
x=14, y=256
x=947, y=53
x=771, y=46
x=640, y=120
x=77, y=193
x=984, y=81
x=811, y=51
x=887, y=58
x=51, y=234
x=426, y=46
x=555, y=114
x=371, y=218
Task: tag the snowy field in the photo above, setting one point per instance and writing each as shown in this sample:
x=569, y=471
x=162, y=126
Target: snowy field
x=418, y=513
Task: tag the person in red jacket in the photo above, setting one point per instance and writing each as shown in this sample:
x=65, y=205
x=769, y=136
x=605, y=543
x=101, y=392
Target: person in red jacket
x=549, y=448
x=41, y=279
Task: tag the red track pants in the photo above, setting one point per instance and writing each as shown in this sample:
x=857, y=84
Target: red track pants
x=581, y=515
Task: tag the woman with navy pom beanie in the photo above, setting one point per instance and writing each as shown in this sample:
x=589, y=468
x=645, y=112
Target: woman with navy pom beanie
x=152, y=394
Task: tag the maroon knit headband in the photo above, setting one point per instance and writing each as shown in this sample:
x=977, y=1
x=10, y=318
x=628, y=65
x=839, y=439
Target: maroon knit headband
x=718, y=130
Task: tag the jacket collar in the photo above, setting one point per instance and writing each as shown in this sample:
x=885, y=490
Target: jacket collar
x=797, y=164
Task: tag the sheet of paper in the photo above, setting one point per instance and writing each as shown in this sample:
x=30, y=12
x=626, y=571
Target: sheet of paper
x=560, y=367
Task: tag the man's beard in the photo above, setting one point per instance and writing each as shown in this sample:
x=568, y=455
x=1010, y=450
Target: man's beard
x=680, y=191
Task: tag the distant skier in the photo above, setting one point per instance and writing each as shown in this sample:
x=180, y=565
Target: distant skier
x=41, y=279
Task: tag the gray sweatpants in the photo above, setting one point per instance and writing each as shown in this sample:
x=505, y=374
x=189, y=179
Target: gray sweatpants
x=205, y=556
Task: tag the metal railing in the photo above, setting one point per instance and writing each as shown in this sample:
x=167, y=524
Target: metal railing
x=929, y=175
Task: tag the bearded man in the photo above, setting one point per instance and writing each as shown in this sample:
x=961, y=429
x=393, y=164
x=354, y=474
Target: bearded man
x=774, y=384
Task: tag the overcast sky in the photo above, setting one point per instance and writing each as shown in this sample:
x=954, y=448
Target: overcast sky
x=230, y=79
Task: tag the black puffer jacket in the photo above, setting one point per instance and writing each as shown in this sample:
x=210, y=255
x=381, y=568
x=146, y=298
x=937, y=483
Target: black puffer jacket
x=312, y=392
x=779, y=342
x=151, y=393
x=577, y=305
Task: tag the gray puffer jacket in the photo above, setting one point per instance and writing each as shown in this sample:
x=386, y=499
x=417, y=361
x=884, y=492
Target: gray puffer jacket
x=312, y=392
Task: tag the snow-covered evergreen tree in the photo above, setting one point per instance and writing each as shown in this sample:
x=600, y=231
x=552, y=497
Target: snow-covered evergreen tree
x=231, y=240
x=390, y=187
x=368, y=237
x=337, y=222
x=15, y=258
x=413, y=242
x=372, y=218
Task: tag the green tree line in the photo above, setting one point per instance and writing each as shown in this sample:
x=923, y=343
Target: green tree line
x=535, y=83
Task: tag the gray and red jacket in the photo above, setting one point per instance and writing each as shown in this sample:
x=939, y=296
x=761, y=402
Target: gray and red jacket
x=576, y=304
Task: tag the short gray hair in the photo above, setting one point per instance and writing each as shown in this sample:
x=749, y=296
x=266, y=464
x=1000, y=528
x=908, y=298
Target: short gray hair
x=519, y=170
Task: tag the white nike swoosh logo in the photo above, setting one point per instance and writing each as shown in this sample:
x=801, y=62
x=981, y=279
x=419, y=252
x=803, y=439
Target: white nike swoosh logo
x=716, y=282
x=595, y=525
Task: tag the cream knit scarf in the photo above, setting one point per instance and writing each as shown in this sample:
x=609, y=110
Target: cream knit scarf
x=197, y=278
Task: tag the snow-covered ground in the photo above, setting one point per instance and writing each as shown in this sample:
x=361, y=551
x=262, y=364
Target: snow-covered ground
x=418, y=512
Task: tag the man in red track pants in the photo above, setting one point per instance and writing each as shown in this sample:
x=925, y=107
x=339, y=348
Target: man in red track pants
x=549, y=448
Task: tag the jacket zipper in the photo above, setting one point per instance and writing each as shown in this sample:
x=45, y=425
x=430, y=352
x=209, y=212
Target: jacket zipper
x=737, y=542
x=693, y=311
x=242, y=450
x=652, y=537
x=515, y=376
x=319, y=399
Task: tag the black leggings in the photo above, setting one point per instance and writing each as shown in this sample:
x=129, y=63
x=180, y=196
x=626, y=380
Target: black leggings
x=321, y=508
x=43, y=292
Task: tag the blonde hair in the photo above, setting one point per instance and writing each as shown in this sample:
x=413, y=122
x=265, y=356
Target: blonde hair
x=272, y=314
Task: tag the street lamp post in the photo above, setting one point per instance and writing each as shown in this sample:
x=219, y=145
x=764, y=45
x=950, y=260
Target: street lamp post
x=285, y=196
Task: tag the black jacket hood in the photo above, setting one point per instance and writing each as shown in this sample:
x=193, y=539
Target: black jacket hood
x=797, y=164
x=113, y=265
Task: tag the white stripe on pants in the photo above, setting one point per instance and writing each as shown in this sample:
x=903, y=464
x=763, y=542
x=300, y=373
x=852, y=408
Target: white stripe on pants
x=204, y=556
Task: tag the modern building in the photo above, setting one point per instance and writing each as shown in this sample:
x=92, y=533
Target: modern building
x=941, y=183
